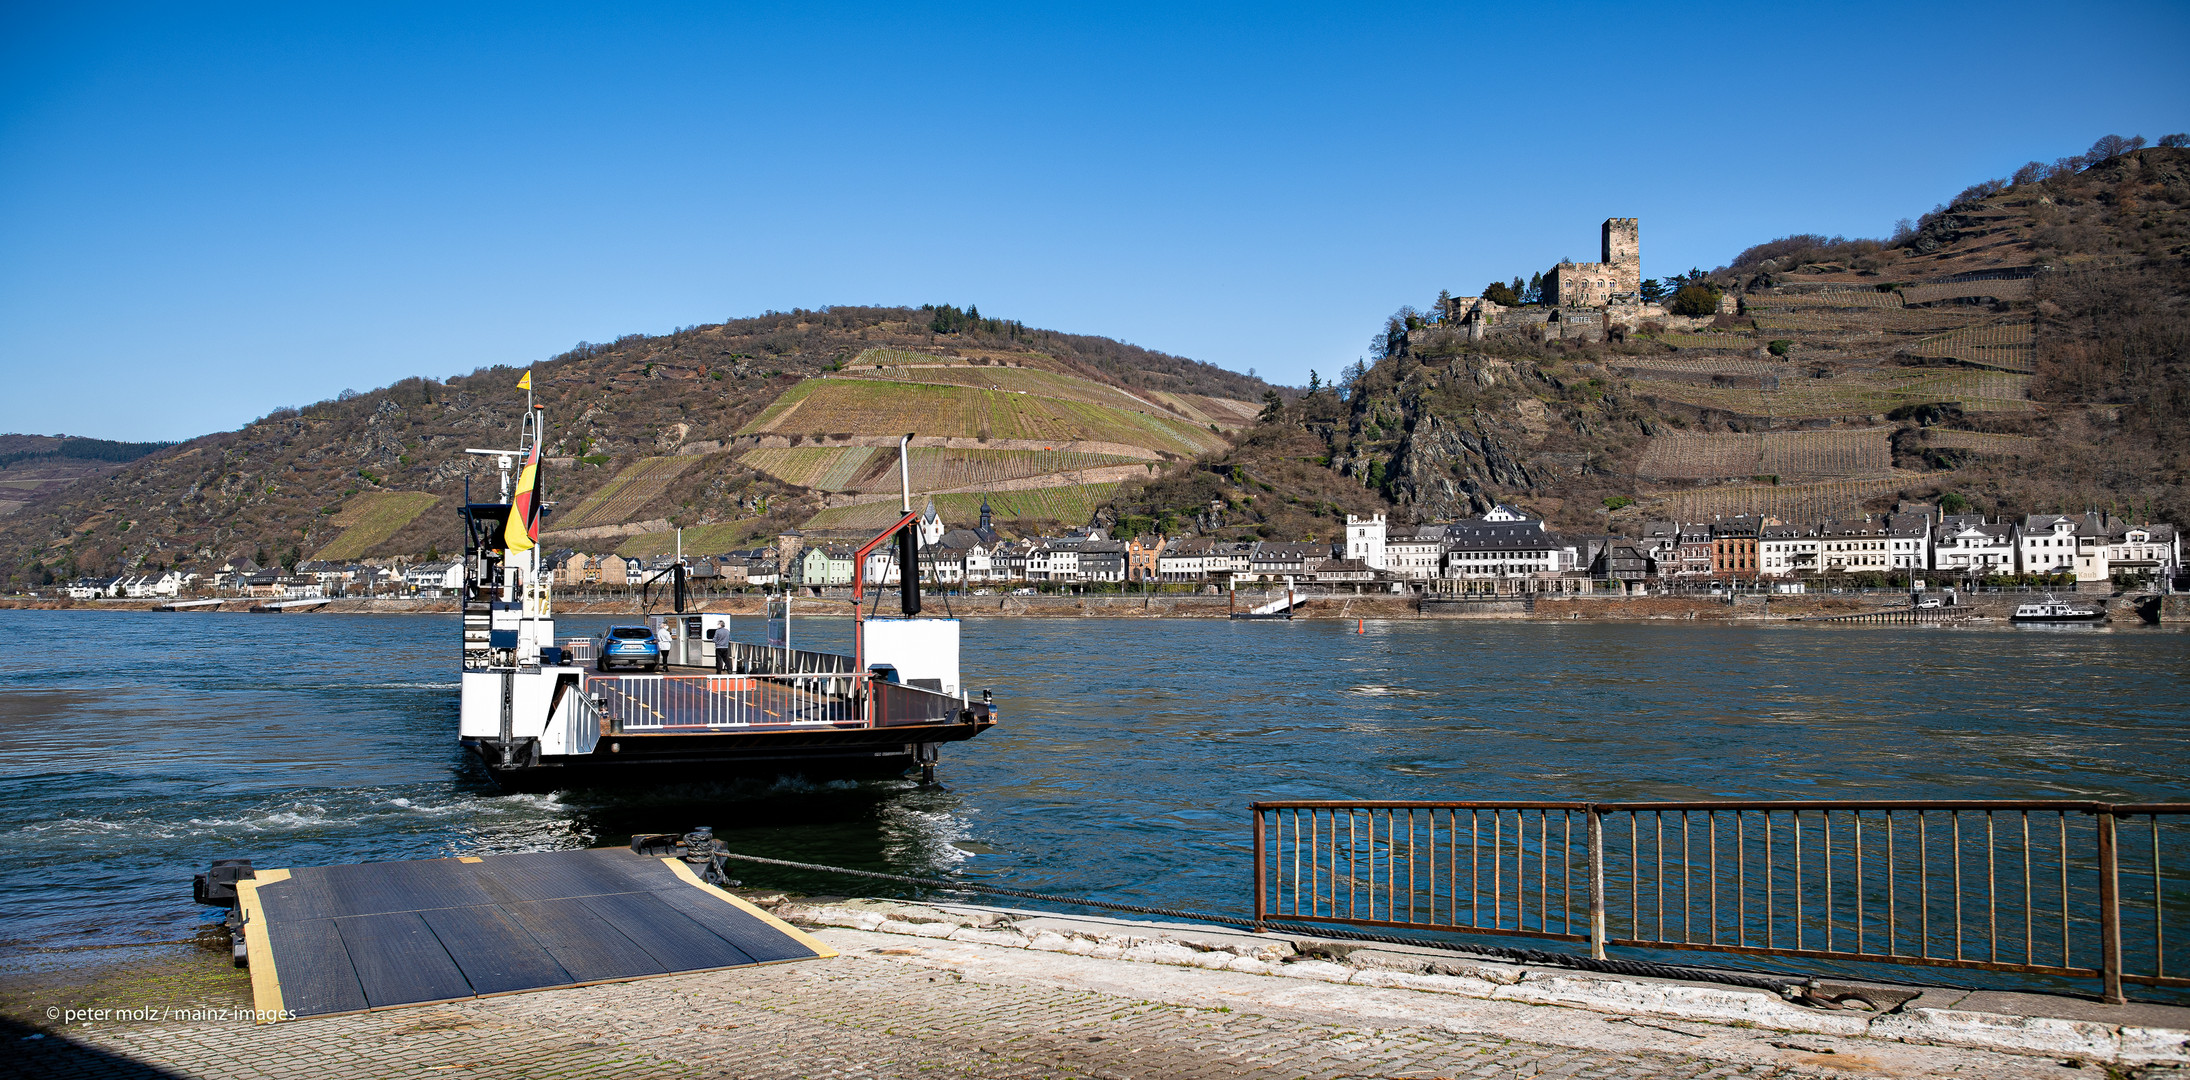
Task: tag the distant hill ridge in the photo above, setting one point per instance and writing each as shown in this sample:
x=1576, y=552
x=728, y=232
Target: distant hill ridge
x=379, y=473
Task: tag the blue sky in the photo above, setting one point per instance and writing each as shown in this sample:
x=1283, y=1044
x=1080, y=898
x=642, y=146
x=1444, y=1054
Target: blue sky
x=209, y=211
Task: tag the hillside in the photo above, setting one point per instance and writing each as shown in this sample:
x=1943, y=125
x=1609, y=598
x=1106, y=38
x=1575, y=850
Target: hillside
x=2020, y=348
x=32, y=466
x=736, y=430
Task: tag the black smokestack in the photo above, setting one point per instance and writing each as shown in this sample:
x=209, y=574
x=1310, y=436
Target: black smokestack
x=908, y=576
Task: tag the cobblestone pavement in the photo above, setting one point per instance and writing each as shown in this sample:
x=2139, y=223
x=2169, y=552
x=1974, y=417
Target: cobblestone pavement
x=886, y=1009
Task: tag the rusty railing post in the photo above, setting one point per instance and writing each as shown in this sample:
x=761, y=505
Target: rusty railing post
x=1259, y=908
x=2110, y=911
x=1596, y=882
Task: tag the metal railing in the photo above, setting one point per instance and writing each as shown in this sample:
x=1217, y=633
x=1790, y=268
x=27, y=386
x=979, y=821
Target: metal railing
x=583, y=724
x=637, y=703
x=777, y=660
x=896, y=704
x=2066, y=889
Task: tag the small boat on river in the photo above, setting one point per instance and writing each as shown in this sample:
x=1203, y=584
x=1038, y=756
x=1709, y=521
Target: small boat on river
x=2051, y=610
x=541, y=715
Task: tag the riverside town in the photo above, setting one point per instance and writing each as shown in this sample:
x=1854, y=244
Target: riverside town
x=1506, y=552
x=553, y=575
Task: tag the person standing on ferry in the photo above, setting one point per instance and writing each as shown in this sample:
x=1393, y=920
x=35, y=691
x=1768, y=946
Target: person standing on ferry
x=722, y=648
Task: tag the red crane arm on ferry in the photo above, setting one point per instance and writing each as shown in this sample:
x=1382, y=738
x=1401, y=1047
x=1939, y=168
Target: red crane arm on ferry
x=859, y=561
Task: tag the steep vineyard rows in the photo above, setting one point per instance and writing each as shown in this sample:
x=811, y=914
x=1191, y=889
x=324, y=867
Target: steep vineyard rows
x=933, y=468
x=1790, y=502
x=1701, y=457
x=1224, y=412
x=2005, y=289
x=698, y=541
x=1708, y=341
x=2002, y=346
x=1011, y=380
x=1799, y=321
x=628, y=492
x=1805, y=454
x=1071, y=505
x=901, y=356
x=1711, y=365
x=1863, y=392
x=1837, y=298
x=371, y=517
x=828, y=468
x=944, y=470
x=1981, y=442
x=824, y=406
x=1794, y=454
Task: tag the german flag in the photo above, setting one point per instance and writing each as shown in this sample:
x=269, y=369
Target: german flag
x=522, y=533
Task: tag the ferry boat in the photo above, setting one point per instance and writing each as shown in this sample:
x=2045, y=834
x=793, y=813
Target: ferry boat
x=2051, y=610
x=539, y=716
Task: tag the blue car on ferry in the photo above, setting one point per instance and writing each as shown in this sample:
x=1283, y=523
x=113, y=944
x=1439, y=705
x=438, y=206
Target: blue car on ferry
x=629, y=646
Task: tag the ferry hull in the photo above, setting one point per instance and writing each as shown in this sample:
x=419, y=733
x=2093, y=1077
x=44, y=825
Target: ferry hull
x=637, y=760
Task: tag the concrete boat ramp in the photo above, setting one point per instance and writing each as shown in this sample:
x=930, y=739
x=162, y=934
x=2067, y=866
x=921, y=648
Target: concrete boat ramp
x=323, y=941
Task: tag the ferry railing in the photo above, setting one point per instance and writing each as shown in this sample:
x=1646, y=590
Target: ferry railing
x=899, y=704
x=2077, y=890
x=642, y=703
x=584, y=724
x=777, y=660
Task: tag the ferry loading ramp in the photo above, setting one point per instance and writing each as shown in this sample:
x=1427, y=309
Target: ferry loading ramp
x=340, y=939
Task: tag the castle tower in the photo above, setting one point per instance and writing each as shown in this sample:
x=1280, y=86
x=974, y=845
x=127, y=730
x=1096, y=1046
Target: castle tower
x=1623, y=253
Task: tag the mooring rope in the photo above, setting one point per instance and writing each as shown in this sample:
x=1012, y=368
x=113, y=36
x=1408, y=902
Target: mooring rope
x=1779, y=984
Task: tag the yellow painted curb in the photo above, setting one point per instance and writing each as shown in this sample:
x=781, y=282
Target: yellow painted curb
x=820, y=948
x=258, y=948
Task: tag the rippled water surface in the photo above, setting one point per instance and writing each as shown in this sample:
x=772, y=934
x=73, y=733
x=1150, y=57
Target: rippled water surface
x=136, y=747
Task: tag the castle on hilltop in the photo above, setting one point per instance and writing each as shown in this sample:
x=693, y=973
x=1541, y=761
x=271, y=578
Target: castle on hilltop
x=1595, y=284
x=1590, y=301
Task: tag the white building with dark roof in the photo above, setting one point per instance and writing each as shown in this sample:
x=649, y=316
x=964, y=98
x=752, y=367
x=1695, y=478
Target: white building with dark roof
x=1968, y=544
x=2046, y=545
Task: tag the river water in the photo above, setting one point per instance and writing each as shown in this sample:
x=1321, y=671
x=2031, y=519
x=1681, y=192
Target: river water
x=136, y=747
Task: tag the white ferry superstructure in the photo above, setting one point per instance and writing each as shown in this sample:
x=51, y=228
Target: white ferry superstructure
x=538, y=715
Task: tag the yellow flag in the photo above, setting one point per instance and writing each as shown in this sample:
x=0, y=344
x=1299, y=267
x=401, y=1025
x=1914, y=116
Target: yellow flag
x=526, y=382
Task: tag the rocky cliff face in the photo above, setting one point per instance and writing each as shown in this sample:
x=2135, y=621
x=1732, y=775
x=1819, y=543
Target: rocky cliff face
x=1446, y=429
x=1453, y=468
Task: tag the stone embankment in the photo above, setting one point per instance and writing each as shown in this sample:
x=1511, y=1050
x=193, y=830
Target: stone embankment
x=921, y=990
x=2017, y=1024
